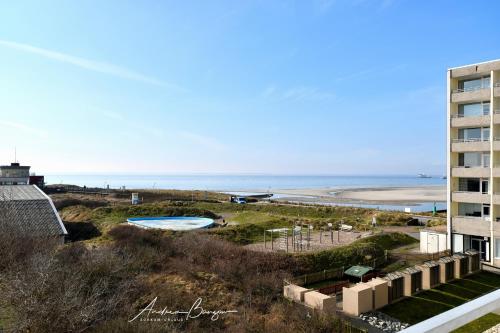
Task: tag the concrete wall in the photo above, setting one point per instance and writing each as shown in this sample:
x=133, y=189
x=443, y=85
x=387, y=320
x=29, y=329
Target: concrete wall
x=442, y=272
x=478, y=172
x=357, y=299
x=470, y=226
x=380, y=290
x=318, y=301
x=471, y=96
x=426, y=278
x=294, y=293
x=472, y=197
x=479, y=121
x=462, y=147
x=407, y=284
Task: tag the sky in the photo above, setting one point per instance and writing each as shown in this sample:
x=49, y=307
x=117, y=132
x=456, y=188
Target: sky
x=239, y=87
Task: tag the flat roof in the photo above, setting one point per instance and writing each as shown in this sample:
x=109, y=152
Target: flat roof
x=475, y=64
x=358, y=271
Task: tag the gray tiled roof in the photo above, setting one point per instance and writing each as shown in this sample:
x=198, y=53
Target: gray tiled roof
x=27, y=210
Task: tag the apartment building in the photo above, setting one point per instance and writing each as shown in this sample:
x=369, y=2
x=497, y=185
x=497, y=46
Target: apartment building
x=474, y=159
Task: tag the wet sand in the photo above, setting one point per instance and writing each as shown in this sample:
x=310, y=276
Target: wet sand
x=379, y=195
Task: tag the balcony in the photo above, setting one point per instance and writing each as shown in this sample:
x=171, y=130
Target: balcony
x=470, y=172
x=470, y=121
x=496, y=143
x=470, y=197
x=470, y=225
x=469, y=145
x=470, y=95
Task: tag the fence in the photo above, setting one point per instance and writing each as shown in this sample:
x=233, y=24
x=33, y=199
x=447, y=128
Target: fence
x=347, y=327
x=329, y=274
x=420, y=257
x=334, y=288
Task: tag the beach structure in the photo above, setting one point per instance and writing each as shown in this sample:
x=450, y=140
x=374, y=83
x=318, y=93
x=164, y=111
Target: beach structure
x=318, y=301
x=432, y=241
x=474, y=261
x=430, y=274
x=446, y=269
x=294, y=293
x=27, y=211
x=357, y=299
x=395, y=283
x=461, y=265
x=358, y=272
x=473, y=108
x=380, y=289
x=412, y=280
x=14, y=174
x=135, y=199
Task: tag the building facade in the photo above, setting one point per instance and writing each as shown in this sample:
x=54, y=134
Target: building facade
x=473, y=106
x=14, y=174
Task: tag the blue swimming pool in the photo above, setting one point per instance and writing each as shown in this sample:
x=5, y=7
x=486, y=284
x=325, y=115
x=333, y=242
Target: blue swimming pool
x=177, y=223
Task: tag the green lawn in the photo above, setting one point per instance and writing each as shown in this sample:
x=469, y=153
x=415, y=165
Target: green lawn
x=432, y=302
x=479, y=325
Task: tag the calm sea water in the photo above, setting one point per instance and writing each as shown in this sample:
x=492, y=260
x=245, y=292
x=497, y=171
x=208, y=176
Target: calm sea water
x=241, y=183
x=251, y=183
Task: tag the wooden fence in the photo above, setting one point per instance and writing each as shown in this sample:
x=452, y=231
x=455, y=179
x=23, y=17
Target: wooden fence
x=329, y=274
x=334, y=288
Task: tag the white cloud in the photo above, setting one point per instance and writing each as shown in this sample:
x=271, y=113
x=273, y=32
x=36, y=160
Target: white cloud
x=25, y=128
x=203, y=141
x=91, y=65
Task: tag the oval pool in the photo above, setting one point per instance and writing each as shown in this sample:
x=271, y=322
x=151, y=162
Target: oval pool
x=178, y=223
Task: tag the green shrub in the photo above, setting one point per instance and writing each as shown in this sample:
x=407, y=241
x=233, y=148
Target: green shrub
x=354, y=253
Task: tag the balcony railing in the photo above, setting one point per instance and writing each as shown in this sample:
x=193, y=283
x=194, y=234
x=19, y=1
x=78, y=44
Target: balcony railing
x=479, y=218
x=484, y=113
x=497, y=84
x=461, y=90
x=471, y=166
x=470, y=140
x=497, y=111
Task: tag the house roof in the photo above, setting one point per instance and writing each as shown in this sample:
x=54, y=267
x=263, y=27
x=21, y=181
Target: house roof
x=358, y=271
x=25, y=209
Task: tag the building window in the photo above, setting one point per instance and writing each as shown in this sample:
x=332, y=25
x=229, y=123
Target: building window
x=473, y=160
x=497, y=248
x=474, y=84
x=474, y=109
x=474, y=134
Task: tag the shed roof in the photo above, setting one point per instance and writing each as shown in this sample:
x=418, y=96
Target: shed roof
x=358, y=271
x=26, y=210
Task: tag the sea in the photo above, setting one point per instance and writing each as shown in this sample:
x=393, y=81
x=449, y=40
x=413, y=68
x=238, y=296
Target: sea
x=238, y=182
x=244, y=184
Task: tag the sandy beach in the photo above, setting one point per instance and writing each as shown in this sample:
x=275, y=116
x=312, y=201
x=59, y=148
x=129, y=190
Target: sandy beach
x=379, y=195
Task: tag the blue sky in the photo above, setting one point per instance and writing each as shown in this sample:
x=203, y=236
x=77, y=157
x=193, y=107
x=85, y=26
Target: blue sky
x=276, y=87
